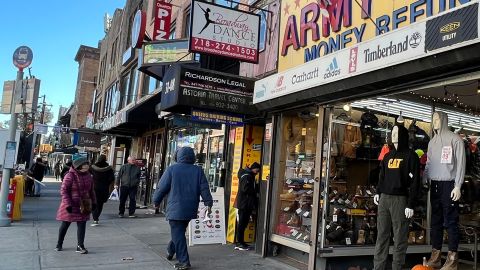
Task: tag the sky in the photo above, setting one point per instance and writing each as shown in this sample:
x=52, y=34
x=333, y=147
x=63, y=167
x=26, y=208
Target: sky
x=54, y=30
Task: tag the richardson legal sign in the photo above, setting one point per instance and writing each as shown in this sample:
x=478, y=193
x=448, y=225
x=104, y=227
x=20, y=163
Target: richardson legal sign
x=226, y=32
x=186, y=87
x=314, y=28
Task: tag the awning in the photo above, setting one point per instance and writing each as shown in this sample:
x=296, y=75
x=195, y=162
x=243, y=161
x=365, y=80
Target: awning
x=384, y=81
x=133, y=120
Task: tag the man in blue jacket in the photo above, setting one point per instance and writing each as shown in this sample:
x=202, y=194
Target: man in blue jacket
x=184, y=183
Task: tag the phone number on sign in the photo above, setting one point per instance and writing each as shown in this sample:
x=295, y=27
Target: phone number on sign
x=202, y=43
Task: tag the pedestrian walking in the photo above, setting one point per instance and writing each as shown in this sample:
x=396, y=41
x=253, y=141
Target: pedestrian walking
x=246, y=201
x=78, y=200
x=37, y=172
x=184, y=183
x=57, y=170
x=103, y=177
x=128, y=179
x=65, y=169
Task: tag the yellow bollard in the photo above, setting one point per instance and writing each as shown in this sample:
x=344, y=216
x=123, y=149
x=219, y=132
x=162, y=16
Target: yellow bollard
x=19, y=196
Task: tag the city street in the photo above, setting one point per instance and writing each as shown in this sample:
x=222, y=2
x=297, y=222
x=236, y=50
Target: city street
x=115, y=244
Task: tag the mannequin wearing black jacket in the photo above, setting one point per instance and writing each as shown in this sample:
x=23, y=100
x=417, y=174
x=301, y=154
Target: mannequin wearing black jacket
x=397, y=194
x=246, y=201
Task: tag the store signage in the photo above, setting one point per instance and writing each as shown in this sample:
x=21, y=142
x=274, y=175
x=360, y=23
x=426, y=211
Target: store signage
x=209, y=230
x=313, y=29
x=22, y=57
x=452, y=28
x=113, y=121
x=167, y=52
x=392, y=48
x=227, y=32
x=184, y=122
x=162, y=18
x=83, y=139
x=40, y=128
x=217, y=118
x=200, y=88
x=138, y=29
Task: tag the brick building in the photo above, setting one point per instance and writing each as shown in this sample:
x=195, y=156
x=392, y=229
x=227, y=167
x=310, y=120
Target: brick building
x=88, y=59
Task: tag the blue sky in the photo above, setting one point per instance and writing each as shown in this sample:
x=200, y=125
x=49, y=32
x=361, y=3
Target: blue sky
x=54, y=30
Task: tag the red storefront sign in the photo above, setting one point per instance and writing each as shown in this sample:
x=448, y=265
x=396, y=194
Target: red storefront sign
x=162, y=15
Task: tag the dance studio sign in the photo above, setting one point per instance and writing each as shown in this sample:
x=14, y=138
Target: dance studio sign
x=217, y=30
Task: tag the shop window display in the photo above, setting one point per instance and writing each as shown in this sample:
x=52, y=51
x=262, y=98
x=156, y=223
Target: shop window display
x=295, y=186
x=359, y=139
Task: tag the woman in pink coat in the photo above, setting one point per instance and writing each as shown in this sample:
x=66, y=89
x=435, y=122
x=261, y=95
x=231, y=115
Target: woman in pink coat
x=77, y=184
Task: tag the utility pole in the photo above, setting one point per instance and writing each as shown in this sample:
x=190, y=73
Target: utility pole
x=42, y=115
x=22, y=58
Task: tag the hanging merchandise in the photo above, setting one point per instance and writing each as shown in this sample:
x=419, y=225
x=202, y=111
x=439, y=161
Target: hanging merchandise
x=417, y=137
x=352, y=139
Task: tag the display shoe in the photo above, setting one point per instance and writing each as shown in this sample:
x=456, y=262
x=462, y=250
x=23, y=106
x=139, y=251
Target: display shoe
x=435, y=260
x=371, y=237
x=359, y=191
x=452, y=261
x=420, y=238
x=411, y=238
x=287, y=196
x=361, y=237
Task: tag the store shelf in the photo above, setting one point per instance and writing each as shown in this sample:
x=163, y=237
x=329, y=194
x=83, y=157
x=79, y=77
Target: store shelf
x=347, y=251
x=290, y=243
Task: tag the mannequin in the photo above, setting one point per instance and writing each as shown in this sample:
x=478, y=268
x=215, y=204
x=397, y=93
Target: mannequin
x=445, y=169
x=397, y=193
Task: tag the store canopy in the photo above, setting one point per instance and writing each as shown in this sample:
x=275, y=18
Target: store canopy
x=384, y=81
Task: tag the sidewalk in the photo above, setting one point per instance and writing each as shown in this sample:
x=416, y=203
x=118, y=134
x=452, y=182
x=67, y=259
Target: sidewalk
x=29, y=244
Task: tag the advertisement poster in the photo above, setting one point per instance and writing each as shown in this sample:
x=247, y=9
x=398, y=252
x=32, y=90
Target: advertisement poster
x=166, y=52
x=223, y=31
x=204, y=231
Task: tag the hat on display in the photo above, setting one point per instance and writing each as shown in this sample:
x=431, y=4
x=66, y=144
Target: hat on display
x=255, y=165
x=78, y=162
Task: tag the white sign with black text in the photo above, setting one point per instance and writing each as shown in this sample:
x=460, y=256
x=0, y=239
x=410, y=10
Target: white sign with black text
x=209, y=230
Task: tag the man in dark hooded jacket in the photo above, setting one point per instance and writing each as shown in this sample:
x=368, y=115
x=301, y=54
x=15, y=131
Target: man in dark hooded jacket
x=103, y=177
x=246, y=201
x=184, y=183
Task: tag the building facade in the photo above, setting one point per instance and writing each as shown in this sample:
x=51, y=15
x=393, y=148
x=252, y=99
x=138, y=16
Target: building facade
x=88, y=61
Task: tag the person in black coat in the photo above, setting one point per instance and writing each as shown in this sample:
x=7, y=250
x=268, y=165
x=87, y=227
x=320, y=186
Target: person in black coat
x=103, y=177
x=65, y=169
x=37, y=172
x=246, y=201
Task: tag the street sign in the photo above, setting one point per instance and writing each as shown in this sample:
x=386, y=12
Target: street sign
x=22, y=57
x=10, y=155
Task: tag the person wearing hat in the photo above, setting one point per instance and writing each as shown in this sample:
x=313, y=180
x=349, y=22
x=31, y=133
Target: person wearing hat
x=76, y=191
x=246, y=201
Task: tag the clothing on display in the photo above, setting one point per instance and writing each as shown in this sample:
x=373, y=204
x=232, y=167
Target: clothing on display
x=445, y=168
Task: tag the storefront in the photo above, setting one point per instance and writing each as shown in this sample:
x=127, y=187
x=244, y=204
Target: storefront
x=332, y=118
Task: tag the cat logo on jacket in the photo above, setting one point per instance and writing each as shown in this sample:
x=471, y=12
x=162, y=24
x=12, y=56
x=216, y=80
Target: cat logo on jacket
x=394, y=163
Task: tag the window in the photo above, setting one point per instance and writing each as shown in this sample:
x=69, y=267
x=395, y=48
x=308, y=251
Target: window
x=124, y=90
x=132, y=91
x=173, y=29
x=263, y=29
x=129, y=29
x=152, y=84
x=186, y=29
x=114, y=53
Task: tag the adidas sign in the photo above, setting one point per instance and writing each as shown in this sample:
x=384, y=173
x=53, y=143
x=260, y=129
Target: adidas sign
x=333, y=70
